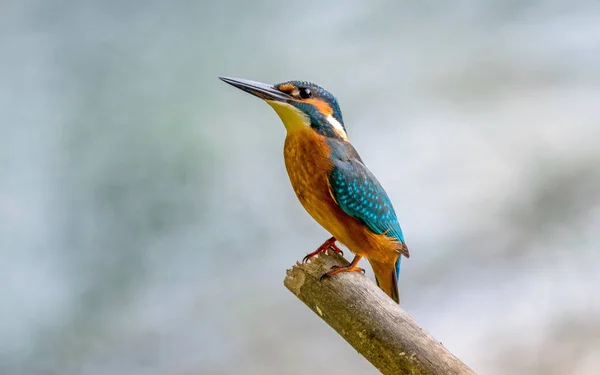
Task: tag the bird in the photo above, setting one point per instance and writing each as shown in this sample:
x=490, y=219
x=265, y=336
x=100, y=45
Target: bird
x=332, y=182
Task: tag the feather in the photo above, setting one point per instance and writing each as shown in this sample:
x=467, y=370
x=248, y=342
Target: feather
x=358, y=193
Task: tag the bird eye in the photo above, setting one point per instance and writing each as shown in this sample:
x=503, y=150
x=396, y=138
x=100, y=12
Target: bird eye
x=305, y=93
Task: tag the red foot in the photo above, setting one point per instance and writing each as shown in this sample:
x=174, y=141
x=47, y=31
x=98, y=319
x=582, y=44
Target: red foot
x=329, y=244
x=352, y=267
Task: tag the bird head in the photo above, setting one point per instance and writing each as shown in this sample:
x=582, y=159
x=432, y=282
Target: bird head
x=301, y=105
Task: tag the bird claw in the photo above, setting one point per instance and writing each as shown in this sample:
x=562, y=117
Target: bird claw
x=339, y=269
x=336, y=249
x=308, y=257
x=327, y=245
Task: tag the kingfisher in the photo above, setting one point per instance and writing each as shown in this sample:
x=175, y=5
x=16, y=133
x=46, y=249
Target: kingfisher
x=332, y=182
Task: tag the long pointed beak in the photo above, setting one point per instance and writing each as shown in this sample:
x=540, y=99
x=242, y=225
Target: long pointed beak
x=261, y=90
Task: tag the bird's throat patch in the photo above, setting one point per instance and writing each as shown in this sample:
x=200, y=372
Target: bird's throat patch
x=292, y=118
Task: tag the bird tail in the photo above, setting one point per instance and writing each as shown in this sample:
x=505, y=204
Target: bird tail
x=386, y=276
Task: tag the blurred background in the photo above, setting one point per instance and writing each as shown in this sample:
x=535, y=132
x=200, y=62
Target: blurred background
x=146, y=218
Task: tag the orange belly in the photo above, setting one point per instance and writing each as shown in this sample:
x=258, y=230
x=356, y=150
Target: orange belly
x=308, y=165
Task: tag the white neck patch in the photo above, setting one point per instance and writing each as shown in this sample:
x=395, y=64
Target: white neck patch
x=339, y=129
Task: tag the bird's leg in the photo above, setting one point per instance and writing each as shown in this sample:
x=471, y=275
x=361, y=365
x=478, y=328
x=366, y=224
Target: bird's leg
x=352, y=267
x=329, y=244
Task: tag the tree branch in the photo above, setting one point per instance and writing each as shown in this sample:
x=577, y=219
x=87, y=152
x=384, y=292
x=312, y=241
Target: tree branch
x=370, y=321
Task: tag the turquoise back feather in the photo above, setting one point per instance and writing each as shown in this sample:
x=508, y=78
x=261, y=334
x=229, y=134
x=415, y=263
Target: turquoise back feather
x=359, y=194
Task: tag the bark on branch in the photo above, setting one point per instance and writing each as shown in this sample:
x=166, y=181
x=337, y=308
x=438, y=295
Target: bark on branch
x=370, y=321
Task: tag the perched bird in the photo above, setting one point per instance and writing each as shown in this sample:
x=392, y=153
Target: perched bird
x=331, y=180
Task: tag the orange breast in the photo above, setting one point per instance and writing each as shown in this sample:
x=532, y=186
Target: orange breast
x=308, y=165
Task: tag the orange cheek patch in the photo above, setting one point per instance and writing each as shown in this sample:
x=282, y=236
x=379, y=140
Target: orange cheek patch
x=322, y=106
x=287, y=88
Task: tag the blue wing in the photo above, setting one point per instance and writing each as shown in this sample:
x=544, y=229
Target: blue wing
x=360, y=195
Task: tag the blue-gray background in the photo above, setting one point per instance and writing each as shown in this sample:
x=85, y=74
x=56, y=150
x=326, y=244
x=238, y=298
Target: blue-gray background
x=146, y=219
